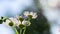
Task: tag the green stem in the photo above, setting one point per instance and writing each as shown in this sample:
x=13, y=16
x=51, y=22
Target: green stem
x=28, y=19
x=24, y=30
x=20, y=31
x=16, y=31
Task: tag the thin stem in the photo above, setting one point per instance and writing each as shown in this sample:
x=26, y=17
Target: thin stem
x=28, y=19
x=24, y=30
x=20, y=31
x=16, y=31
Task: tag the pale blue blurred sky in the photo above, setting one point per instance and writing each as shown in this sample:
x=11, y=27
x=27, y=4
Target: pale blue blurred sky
x=14, y=7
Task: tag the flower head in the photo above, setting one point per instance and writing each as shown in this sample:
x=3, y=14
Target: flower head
x=22, y=24
x=26, y=23
x=32, y=15
x=11, y=22
x=20, y=18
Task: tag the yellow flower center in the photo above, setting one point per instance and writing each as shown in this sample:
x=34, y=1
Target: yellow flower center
x=21, y=26
x=30, y=16
x=11, y=24
x=21, y=19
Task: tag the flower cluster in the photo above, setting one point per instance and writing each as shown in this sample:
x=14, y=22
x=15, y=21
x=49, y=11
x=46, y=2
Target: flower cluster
x=19, y=21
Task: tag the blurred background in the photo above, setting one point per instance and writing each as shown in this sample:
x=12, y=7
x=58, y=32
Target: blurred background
x=11, y=8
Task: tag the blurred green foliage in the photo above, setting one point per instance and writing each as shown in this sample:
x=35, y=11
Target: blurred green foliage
x=38, y=26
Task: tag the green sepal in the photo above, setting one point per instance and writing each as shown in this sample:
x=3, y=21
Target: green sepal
x=1, y=21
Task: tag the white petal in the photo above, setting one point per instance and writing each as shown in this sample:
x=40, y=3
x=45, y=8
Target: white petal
x=17, y=17
x=31, y=13
x=9, y=20
x=26, y=13
x=7, y=23
x=16, y=21
x=35, y=14
x=34, y=17
x=25, y=23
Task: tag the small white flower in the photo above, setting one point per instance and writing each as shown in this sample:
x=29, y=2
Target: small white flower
x=11, y=22
x=19, y=18
x=26, y=23
x=33, y=15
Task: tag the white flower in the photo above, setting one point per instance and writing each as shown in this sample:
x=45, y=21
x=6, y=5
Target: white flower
x=32, y=15
x=11, y=22
x=20, y=18
x=24, y=23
